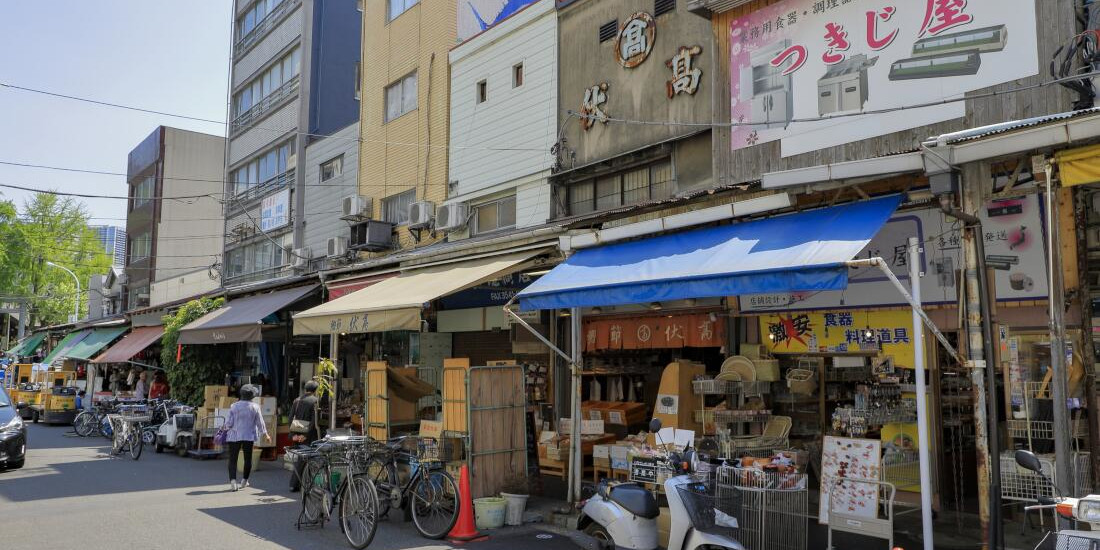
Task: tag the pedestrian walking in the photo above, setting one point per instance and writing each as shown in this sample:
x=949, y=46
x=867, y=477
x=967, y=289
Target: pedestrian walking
x=303, y=427
x=245, y=425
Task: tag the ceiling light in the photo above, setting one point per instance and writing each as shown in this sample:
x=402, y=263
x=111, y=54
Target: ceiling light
x=655, y=306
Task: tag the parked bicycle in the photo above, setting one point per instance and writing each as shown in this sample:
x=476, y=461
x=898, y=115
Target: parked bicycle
x=126, y=429
x=94, y=421
x=334, y=480
x=410, y=475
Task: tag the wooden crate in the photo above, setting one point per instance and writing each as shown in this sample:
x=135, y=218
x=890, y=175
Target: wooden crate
x=496, y=405
x=384, y=406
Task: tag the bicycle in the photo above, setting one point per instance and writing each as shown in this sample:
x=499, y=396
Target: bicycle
x=333, y=480
x=429, y=494
x=94, y=421
x=126, y=433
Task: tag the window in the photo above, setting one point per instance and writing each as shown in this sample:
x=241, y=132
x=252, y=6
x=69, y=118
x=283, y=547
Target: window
x=144, y=191
x=250, y=19
x=332, y=168
x=271, y=80
x=258, y=257
x=482, y=91
x=264, y=169
x=395, y=209
x=401, y=97
x=495, y=215
x=358, y=79
x=141, y=247
x=397, y=7
x=517, y=75
x=647, y=183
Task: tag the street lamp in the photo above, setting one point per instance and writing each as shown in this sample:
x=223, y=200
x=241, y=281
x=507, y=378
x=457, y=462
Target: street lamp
x=76, y=297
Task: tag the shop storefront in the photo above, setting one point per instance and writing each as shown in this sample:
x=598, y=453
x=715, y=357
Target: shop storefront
x=114, y=372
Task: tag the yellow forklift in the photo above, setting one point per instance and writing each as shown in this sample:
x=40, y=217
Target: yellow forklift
x=27, y=387
x=56, y=402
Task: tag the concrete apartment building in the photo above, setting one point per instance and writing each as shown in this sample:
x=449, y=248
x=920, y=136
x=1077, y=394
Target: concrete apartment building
x=293, y=148
x=504, y=93
x=170, y=239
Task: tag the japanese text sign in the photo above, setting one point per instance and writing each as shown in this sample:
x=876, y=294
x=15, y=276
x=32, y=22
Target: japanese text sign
x=796, y=65
x=275, y=211
x=656, y=332
x=842, y=331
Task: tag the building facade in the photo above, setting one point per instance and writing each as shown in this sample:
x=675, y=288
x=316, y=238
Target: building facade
x=113, y=239
x=292, y=86
x=174, y=213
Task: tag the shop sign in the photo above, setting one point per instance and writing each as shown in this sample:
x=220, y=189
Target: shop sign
x=643, y=470
x=635, y=40
x=685, y=76
x=274, y=210
x=797, y=64
x=657, y=332
x=1014, y=245
x=591, y=112
x=842, y=331
x=496, y=292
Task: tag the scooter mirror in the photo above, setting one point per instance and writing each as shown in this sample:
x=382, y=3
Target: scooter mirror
x=655, y=425
x=1028, y=460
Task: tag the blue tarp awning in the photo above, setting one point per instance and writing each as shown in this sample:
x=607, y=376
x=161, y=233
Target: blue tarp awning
x=797, y=252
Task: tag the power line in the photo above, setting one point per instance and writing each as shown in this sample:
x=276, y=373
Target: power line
x=174, y=178
x=124, y=197
x=276, y=130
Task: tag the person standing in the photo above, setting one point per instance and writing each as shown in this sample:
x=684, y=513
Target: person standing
x=303, y=427
x=159, y=387
x=140, y=389
x=245, y=425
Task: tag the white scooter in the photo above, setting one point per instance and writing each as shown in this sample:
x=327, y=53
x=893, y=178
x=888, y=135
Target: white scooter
x=623, y=516
x=1085, y=510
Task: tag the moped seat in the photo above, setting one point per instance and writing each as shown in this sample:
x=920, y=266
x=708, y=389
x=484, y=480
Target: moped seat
x=634, y=499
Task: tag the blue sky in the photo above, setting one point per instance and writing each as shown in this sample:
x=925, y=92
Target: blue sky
x=166, y=55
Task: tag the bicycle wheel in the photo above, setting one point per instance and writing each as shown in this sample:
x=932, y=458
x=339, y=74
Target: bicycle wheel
x=136, y=443
x=435, y=504
x=82, y=424
x=384, y=476
x=105, y=428
x=359, y=511
x=313, y=492
x=149, y=435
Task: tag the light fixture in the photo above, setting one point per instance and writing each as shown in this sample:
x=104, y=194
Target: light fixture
x=713, y=317
x=655, y=306
x=563, y=313
x=771, y=337
x=537, y=273
x=868, y=333
x=596, y=310
x=690, y=302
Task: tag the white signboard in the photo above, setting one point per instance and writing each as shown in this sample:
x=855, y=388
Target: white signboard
x=849, y=458
x=1014, y=248
x=275, y=211
x=814, y=62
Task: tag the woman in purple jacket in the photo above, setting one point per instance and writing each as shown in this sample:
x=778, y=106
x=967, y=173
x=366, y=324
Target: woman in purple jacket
x=245, y=425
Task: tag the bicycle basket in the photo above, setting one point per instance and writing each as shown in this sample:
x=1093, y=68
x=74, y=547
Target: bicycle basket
x=444, y=449
x=708, y=513
x=1073, y=542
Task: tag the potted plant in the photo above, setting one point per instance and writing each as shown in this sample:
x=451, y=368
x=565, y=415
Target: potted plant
x=515, y=491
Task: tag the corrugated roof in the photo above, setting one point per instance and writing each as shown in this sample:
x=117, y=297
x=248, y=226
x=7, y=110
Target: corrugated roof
x=1011, y=126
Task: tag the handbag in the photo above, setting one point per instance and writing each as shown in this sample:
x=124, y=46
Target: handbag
x=221, y=435
x=298, y=426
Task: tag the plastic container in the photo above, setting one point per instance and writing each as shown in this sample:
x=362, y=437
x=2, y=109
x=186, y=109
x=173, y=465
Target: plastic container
x=517, y=504
x=489, y=512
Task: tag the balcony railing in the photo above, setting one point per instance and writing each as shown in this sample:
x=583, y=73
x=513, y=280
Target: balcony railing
x=269, y=22
x=258, y=110
x=242, y=199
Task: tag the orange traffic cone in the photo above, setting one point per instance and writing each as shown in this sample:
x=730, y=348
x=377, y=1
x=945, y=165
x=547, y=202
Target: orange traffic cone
x=464, y=529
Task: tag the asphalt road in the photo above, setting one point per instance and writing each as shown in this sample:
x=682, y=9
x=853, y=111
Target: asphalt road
x=72, y=495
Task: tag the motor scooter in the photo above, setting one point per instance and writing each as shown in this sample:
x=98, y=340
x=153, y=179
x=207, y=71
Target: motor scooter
x=623, y=515
x=1084, y=510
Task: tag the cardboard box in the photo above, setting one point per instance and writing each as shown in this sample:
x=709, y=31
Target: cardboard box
x=268, y=405
x=226, y=402
x=620, y=456
x=271, y=423
x=211, y=394
x=601, y=451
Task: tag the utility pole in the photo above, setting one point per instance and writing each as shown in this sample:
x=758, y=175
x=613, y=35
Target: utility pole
x=1063, y=470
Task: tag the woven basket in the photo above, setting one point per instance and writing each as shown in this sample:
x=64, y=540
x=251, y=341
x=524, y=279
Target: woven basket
x=802, y=381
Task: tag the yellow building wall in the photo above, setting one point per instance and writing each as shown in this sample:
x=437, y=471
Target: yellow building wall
x=395, y=156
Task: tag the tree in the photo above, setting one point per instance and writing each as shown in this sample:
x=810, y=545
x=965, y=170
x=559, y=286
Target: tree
x=49, y=229
x=197, y=366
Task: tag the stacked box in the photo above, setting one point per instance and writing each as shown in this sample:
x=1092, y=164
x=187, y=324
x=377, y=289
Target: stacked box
x=211, y=394
x=268, y=405
x=271, y=422
x=225, y=402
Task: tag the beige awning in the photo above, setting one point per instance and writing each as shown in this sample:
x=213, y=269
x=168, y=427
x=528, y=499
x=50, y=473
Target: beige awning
x=396, y=303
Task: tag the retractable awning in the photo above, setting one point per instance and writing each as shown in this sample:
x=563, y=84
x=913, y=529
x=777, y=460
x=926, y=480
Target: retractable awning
x=96, y=340
x=395, y=303
x=65, y=344
x=240, y=320
x=130, y=345
x=27, y=345
x=797, y=252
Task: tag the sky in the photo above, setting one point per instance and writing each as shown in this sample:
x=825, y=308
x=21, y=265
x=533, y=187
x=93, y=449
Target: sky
x=165, y=55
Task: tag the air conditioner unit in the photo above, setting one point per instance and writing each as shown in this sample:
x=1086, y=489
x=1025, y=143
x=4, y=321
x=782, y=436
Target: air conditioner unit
x=337, y=246
x=355, y=207
x=452, y=217
x=372, y=236
x=301, y=257
x=421, y=214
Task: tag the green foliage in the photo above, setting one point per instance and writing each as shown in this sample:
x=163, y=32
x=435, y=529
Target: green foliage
x=198, y=365
x=48, y=229
x=325, y=377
